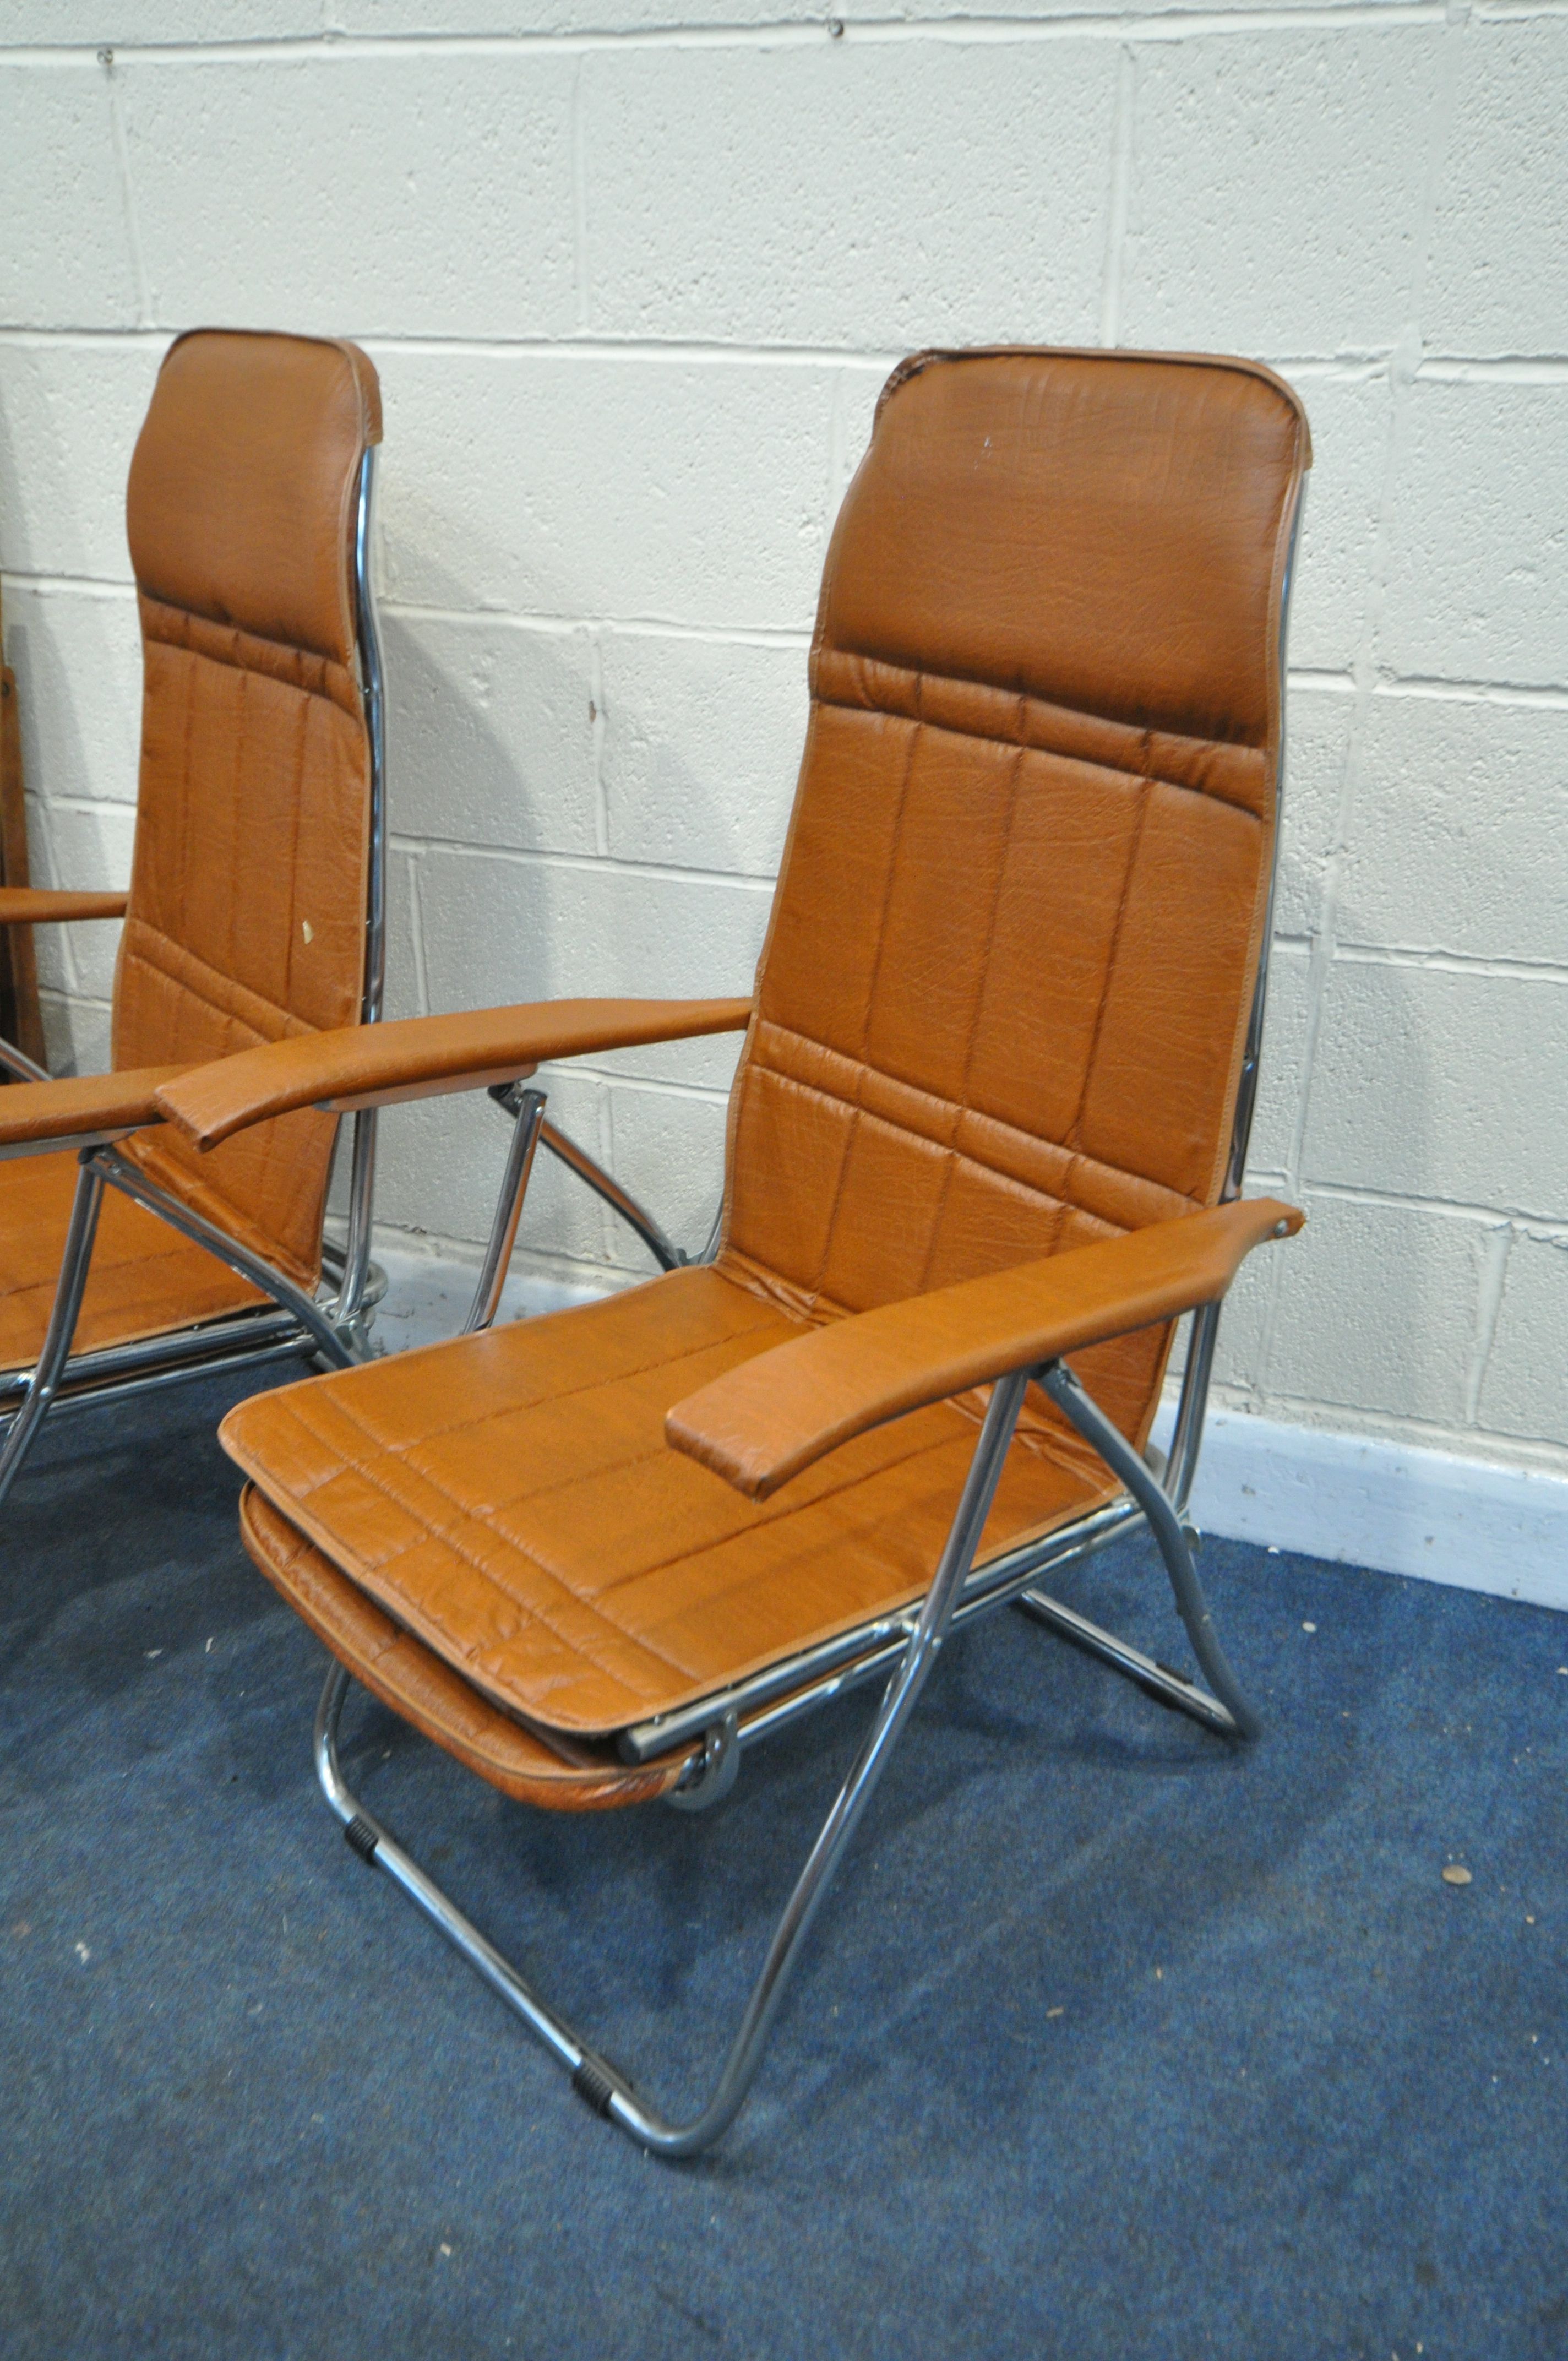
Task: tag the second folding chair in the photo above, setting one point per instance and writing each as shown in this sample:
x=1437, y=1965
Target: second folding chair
x=255, y=911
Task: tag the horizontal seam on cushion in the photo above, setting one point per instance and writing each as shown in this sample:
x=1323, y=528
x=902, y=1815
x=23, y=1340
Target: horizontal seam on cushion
x=170, y=974
x=557, y=1770
x=472, y=1423
x=236, y=662
x=1074, y=1157
x=766, y=1516
x=654, y=1654
x=1028, y=745
x=778, y=1511
x=587, y=1606
x=709, y=1549
x=465, y=1556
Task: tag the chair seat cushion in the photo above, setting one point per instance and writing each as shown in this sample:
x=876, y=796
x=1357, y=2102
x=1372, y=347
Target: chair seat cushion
x=146, y=1280
x=509, y=1499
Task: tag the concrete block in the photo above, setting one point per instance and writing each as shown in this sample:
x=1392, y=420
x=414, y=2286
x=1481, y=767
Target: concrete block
x=511, y=930
x=440, y=1166
x=709, y=215
x=1276, y=189
x=77, y=658
x=1458, y=830
x=1244, y=1325
x=65, y=258
x=1478, y=564
x=490, y=733
x=1441, y=1083
x=701, y=747
x=1317, y=740
x=687, y=491
x=1282, y=1081
x=856, y=391
x=1498, y=278
x=70, y=415
x=76, y=1035
x=50, y=946
x=421, y=195
x=668, y=1149
x=89, y=848
x=1377, y=1310
x=403, y=996
x=1335, y=560
x=1525, y=1388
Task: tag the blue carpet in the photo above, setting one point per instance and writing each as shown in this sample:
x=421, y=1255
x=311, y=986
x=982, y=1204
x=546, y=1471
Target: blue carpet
x=1112, y=2044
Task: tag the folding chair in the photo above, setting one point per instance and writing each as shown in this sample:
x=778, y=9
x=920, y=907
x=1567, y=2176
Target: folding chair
x=985, y=1142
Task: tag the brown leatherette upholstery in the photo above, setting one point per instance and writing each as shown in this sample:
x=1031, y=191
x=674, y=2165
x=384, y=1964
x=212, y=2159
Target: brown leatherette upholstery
x=765, y=1421
x=81, y=1103
x=30, y=905
x=387, y=1062
x=416, y=1683
x=246, y=916
x=999, y=1016
x=141, y=1269
x=510, y=1499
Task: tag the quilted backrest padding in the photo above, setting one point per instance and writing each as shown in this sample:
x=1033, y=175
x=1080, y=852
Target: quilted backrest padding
x=247, y=902
x=1002, y=1003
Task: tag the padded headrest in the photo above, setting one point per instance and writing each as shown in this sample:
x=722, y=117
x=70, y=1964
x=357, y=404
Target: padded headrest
x=244, y=482
x=1105, y=530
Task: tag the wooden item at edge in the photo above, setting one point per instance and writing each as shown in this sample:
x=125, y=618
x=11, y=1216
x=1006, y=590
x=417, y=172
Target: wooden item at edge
x=20, y=1020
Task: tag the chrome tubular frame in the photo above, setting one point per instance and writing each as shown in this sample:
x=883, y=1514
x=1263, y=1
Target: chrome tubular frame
x=351, y=1299
x=1193, y=1402
x=904, y=1645
x=16, y=1061
x=80, y=1231
x=527, y=1109
x=337, y=1330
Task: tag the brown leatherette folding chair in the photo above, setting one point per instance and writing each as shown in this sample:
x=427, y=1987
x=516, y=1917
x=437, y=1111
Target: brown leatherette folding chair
x=255, y=906
x=985, y=1142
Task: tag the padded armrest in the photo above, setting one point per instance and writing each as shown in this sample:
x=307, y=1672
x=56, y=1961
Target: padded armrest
x=763, y=1423
x=51, y=1114
x=384, y=1062
x=32, y=906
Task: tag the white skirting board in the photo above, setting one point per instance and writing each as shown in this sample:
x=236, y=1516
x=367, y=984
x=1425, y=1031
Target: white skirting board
x=1352, y=1497
x=1364, y=1501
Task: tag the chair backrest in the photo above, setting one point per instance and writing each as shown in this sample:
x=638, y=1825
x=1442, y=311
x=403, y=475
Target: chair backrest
x=247, y=907
x=1004, y=1000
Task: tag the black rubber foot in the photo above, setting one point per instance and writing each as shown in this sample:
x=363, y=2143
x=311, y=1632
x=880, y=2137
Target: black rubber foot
x=361, y=1838
x=593, y=2086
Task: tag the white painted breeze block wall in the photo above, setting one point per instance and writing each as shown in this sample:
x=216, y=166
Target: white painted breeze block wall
x=633, y=272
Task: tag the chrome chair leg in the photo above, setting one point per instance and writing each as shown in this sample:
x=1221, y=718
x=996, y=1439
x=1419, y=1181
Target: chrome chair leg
x=599, y=2084
x=75, y=1263
x=527, y=1108
x=1233, y=1710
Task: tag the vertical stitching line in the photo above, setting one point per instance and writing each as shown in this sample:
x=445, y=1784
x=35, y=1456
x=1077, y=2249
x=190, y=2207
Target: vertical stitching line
x=953, y=1151
x=914, y=729
x=1072, y=1139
